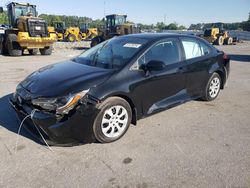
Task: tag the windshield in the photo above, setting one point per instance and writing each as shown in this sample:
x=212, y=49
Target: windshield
x=120, y=20
x=112, y=54
x=23, y=11
x=115, y=20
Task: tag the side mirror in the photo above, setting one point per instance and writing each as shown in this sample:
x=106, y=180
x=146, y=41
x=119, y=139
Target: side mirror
x=1, y=9
x=153, y=65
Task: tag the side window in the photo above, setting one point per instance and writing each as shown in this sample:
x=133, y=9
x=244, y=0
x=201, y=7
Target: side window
x=191, y=47
x=204, y=48
x=165, y=51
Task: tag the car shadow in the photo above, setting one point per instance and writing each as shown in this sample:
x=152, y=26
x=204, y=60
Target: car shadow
x=80, y=48
x=242, y=58
x=9, y=120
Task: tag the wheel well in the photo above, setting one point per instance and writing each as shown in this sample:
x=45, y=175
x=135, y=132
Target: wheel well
x=222, y=78
x=132, y=106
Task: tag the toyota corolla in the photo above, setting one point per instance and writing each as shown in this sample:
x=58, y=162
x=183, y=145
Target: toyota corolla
x=97, y=95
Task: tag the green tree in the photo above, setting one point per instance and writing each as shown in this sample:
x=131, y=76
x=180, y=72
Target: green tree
x=3, y=18
x=160, y=26
x=172, y=26
x=181, y=27
x=246, y=26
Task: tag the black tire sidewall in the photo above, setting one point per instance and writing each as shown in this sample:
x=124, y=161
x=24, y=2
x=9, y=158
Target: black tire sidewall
x=33, y=51
x=46, y=50
x=13, y=46
x=113, y=101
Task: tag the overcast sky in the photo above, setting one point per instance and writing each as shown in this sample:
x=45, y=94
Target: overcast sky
x=183, y=12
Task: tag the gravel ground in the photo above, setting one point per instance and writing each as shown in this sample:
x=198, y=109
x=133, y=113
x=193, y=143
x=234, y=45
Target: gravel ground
x=197, y=144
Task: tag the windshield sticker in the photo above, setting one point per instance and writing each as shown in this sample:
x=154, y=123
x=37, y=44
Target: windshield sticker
x=132, y=45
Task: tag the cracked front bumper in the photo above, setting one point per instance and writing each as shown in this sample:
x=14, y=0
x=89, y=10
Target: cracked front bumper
x=67, y=130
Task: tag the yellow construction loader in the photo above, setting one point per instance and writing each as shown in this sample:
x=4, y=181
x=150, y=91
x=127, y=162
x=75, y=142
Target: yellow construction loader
x=27, y=31
x=87, y=32
x=69, y=34
x=116, y=25
x=217, y=35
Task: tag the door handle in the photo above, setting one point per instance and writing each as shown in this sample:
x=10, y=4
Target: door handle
x=181, y=69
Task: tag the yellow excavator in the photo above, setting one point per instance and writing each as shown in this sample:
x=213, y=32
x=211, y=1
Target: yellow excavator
x=69, y=34
x=217, y=35
x=27, y=31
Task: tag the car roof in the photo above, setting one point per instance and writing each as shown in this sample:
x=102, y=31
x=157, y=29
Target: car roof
x=153, y=37
x=157, y=36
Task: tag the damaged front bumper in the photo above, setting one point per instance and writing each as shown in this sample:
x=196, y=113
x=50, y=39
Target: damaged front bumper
x=76, y=127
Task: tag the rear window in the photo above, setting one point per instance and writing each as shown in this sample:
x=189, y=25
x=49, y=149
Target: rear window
x=193, y=48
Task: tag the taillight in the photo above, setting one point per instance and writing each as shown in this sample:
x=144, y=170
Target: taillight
x=225, y=56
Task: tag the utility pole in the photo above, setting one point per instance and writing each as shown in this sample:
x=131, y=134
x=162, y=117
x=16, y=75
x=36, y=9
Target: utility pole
x=104, y=8
x=165, y=19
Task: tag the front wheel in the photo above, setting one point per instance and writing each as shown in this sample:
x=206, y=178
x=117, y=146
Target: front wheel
x=95, y=41
x=212, y=89
x=71, y=38
x=13, y=46
x=46, y=50
x=113, y=120
x=33, y=51
x=219, y=41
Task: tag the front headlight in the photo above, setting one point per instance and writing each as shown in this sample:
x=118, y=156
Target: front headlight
x=61, y=105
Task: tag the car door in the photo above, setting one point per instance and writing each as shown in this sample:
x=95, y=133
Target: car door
x=198, y=59
x=160, y=89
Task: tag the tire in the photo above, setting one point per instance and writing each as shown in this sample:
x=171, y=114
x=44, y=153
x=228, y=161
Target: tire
x=213, y=87
x=13, y=47
x=106, y=124
x=71, y=38
x=95, y=41
x=1, y=45
x=33, y=51
x=46, y=50
x=219, y=41
x=228, y=41
x=79, y=37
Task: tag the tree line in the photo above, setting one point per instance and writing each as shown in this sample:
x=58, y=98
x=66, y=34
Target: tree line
x=162, y=26
x=77, y=21
x=245, y=25
x=71, y=20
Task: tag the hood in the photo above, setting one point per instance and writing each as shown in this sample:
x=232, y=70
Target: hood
x=63, y=78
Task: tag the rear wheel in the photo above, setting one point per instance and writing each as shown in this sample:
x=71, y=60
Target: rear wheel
x=46, y=50
x=71, y=38
x=13, y=46
x=33, y=51
x=113, y=120
x=212, y=89
x=228, y=41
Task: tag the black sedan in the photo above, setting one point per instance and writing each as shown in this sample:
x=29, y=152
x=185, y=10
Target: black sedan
x=97, y=95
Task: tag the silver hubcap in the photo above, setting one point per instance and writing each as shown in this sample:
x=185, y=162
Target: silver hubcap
x=114, y=121
x=214, y=87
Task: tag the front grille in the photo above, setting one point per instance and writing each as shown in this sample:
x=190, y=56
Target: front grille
x=37, y=28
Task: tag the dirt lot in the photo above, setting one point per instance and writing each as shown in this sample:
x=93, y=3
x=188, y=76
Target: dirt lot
x=197, y=144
